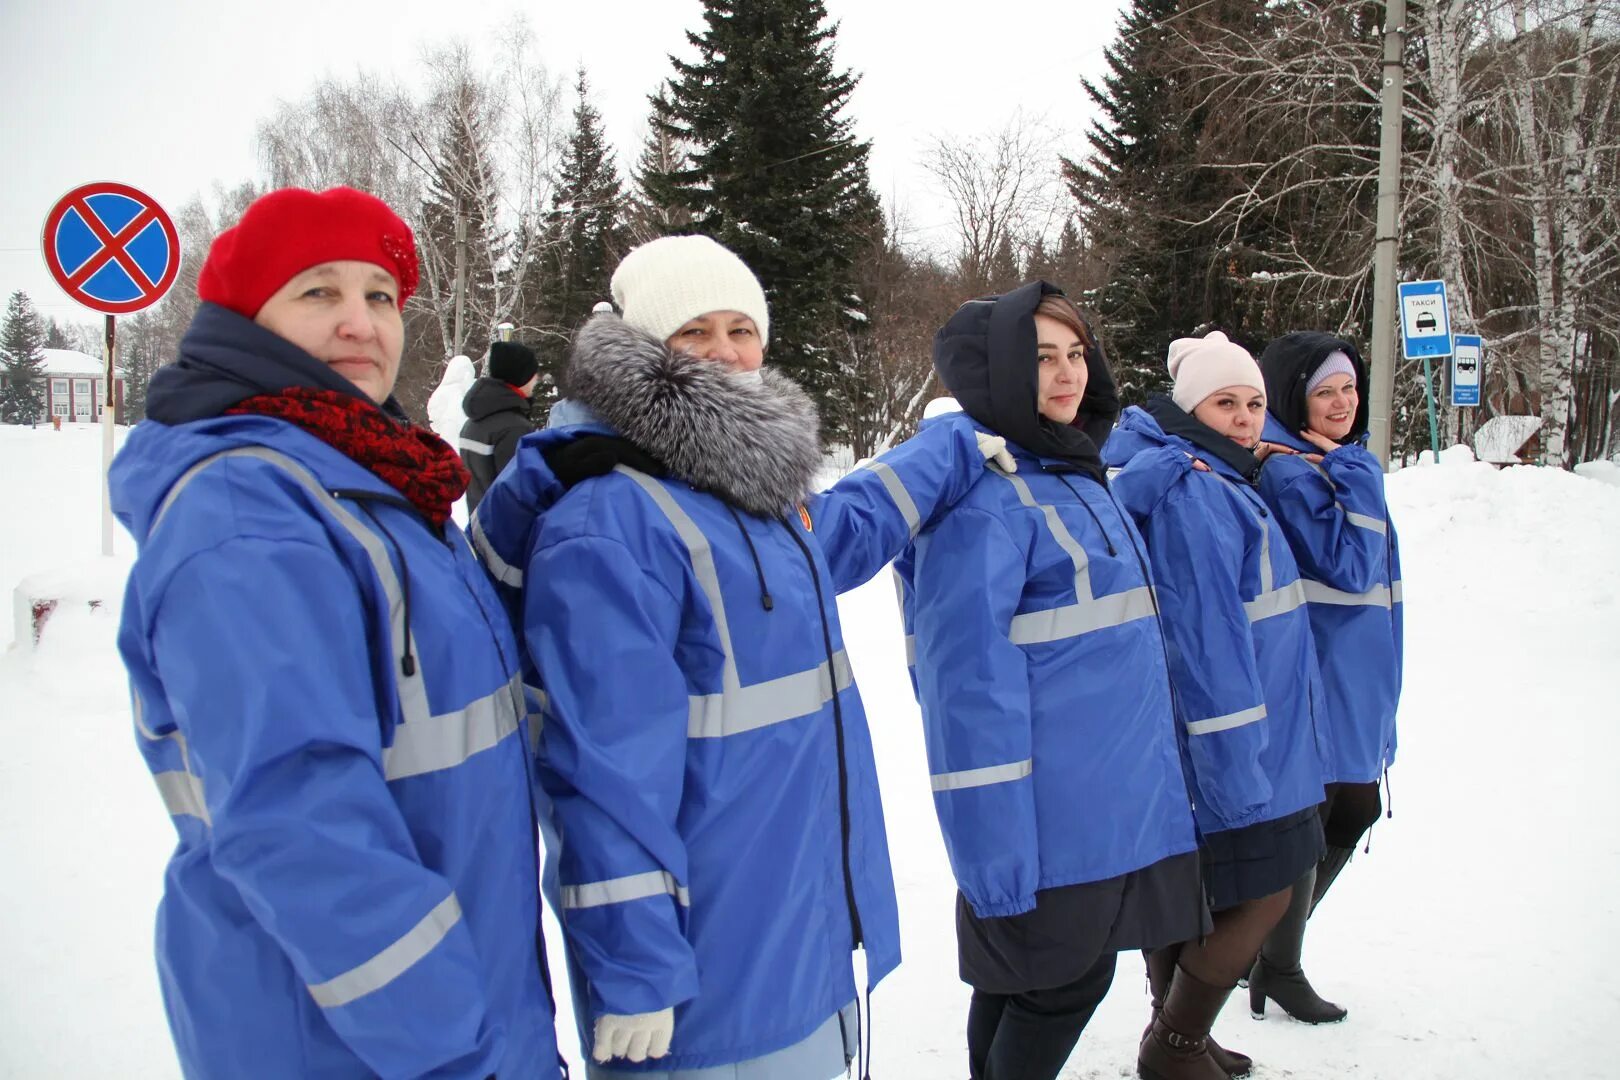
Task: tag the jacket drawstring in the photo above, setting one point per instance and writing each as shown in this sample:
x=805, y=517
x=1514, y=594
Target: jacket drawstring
x=1389, y=809
x=765, y=600
x=1095, y=519
x=866, y=1073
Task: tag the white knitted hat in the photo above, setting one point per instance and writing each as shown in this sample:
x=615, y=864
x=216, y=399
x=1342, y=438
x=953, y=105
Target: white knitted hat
x=1204, y=365
x=662, y=284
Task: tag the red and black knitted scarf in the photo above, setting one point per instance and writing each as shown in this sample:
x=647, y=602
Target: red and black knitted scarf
x=416, y=462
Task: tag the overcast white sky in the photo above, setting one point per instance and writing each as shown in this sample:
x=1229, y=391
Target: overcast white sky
x=165, y=94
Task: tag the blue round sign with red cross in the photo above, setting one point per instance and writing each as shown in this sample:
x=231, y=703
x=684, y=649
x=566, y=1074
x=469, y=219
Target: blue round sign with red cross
x=111, y=247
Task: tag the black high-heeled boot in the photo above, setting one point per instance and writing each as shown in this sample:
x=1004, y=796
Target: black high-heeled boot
x=1277, y=973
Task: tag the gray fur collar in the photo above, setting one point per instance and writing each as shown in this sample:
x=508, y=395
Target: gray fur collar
x=756, y=445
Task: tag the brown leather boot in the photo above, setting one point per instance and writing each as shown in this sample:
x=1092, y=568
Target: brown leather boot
x=1177, y=1046
x=1161, y=966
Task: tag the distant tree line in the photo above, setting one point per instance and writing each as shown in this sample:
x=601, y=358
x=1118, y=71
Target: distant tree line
x=1228, y=182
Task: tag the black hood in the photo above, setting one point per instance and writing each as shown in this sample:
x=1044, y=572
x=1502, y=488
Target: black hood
x=1288, y=364
x=226, y=358
x=487, y=396
x=987, y=358
x=1179, y=422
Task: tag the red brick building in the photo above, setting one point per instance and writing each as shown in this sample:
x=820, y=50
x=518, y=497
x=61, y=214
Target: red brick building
x=73, y=387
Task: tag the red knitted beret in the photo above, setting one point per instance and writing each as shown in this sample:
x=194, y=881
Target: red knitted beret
x=286, y=232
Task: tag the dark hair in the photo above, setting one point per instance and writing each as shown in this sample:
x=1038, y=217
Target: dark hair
x=1060, y=307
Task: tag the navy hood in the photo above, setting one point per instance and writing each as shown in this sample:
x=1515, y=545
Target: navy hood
x=1175, y=420
x=987, y=357
x=226, y=358
x=1288, y=364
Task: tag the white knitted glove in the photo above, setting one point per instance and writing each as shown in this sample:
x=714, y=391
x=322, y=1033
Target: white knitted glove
x=994, y=448
x=636, y=1037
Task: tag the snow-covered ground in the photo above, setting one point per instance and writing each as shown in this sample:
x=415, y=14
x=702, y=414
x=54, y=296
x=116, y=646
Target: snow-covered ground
x=1479, y=938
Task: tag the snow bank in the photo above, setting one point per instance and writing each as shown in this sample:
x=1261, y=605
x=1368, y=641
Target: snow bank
x=1607, y=472
x=1477, y=939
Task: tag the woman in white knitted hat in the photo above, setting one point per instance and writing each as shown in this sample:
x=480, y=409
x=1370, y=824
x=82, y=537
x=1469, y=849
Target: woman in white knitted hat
x=1245, y=672
x=706, y=760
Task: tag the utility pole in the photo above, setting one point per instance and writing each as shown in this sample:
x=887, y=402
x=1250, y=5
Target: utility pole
x=1386, y=246
x=461, y=274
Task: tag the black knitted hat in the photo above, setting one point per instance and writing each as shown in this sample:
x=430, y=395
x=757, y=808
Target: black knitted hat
x=512, y=363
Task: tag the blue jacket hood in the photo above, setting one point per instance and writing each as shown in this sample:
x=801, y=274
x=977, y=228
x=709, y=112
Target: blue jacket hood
x=1028, y=460
x=1165, y=457
x=1276, y=432
x=526, y=489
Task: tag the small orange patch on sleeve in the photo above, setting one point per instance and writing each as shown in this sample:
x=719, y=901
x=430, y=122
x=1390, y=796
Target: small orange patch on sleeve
x=804, y=516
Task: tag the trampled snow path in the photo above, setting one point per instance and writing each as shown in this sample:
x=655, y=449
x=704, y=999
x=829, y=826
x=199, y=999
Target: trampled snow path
x=1477, y=940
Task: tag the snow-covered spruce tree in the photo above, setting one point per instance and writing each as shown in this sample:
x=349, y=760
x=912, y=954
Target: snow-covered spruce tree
x=22, y=341
x=586, y=237
x=776, y=174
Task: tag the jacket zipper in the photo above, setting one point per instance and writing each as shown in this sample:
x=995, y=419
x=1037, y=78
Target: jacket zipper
x=838, y=731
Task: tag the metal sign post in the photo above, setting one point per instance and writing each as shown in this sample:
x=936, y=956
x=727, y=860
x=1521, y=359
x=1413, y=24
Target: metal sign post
x=113, y=249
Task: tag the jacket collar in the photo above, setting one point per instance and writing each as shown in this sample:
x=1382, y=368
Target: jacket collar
x=754, y=444
x=1214, y=448
x=226, y=358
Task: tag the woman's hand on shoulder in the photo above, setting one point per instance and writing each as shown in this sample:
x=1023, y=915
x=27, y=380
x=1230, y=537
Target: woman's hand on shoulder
x=1263, y=450
x=1318, y=440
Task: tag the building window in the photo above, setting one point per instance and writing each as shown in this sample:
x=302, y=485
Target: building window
x=81, y=408
x=81, y=386
x=59, y=408
x=59, y=387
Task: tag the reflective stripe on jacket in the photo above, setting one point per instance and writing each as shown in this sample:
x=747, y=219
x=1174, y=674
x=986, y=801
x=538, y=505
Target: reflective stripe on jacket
x=705, y=754
x=327, y=694
x=1338, y=526
x=1042, y=677
x=1242, y=657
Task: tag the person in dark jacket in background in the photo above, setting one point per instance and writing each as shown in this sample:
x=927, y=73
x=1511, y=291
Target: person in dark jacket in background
x=1043, y=679
x=1327, y=493
x=325, y=688
x=1245, y=672
x=497, y=408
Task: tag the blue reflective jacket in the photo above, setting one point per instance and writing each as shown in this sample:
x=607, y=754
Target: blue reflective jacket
x=1339, y=528
x=1241, y=654
x=709, y=773
x=353, y=893
x=1040, y=669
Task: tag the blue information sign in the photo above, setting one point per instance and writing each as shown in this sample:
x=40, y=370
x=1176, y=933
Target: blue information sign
x=1467, y=369
x=1425, y=323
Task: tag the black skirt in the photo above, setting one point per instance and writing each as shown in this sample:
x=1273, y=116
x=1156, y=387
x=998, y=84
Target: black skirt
x=1258, y=860
x=1071, y=927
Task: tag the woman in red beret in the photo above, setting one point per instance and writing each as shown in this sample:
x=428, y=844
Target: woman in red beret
x=325, y=688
